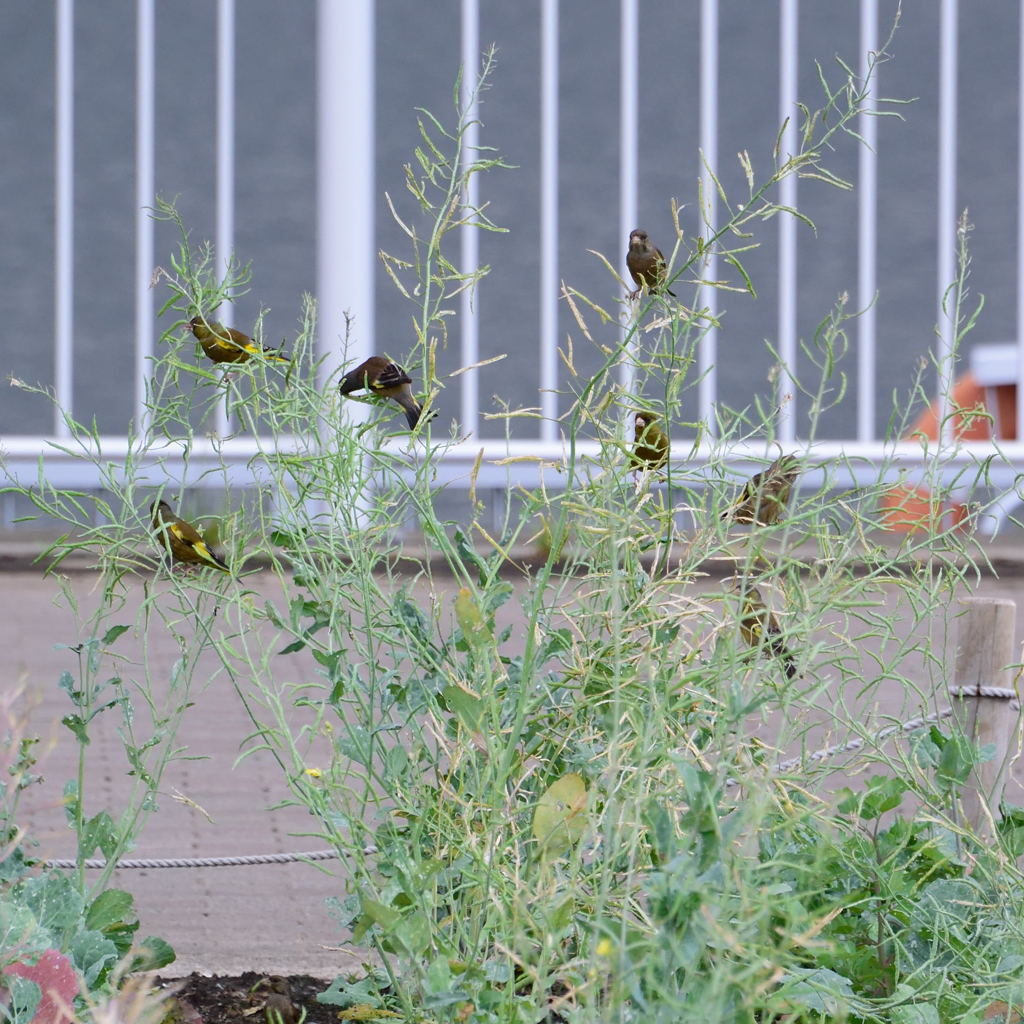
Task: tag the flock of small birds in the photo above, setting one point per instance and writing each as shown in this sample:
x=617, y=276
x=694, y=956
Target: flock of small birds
x=377, y=375
x=762, y=502
x=764, y=497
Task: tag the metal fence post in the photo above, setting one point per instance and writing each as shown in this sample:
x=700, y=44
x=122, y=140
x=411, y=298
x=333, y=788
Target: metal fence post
x=346, y=242
x=985, y=703
x=346, y=234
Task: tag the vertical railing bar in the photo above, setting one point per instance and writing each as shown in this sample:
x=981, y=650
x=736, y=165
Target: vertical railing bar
x=346, y=247
x=867, y=226
x=1020, y=229
x=708, y=390
x=629, y=118
x=946, y=326
x=64, y=199
x=549, y=220
x=785, y=393
x=225, y=145
x=145, y=142
x=470, y=298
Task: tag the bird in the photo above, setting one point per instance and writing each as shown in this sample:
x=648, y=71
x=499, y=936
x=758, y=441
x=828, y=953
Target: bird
x=383, y=377
x=765, y=495
x=650, y=443
x=182, y=540
x=278, y=1007
x=760, y=628
x=646, y=264
x=227, y=345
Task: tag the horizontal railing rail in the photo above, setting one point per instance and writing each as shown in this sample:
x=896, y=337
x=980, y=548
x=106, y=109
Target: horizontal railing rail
x=346, y=241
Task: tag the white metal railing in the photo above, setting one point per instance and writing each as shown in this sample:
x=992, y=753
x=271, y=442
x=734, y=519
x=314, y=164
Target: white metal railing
x=867, y=224
x=708, y=352
x=549, y=221
x=346, y=252
x=145, y=186
x=946, y=264
x=64, y=184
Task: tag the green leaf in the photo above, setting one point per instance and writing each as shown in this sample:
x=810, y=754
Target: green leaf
x=345, y=992
x=554, y=642
x=469, y=556
x=356, y=744
x=944, y=903
x=25, y=995
x=498, y=594
x=818, y=989
x=374, y=913
x=111, y=907
x=1010, y=827
x=113, y=633
x=329, y=661
x=956, y=761
x=71, y=802
x=413, y=620
x=77, y=725
x=273, y=617
x=56, y=903
x=660, y=830
x=414, y=933
x=883, y=793
x=93, y=954
x=19, y=929
x=441, y=988
x=467, y=706
x=560, y=818
x=151, y=954
x=475, y=629
x=67, y=683
x=98, y=832
x=916, y=1013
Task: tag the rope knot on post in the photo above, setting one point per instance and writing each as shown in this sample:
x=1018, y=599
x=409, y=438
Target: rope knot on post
x=986, y=704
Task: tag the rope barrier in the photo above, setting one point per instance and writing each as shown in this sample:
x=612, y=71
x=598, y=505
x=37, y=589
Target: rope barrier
x=782, y=766
x=200, y=862
x=856, y=744
x=983, y=691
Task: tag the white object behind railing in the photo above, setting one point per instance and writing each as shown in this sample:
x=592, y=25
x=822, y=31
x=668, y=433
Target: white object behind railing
x=346, y=249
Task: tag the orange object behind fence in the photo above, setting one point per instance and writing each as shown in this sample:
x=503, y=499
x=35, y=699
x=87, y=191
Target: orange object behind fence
x=979, y=413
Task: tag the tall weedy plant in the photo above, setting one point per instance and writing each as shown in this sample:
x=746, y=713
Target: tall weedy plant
x=606, y=816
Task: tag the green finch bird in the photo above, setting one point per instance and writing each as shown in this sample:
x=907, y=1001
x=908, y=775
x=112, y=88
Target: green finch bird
x=226, y=345
x=646, y=264
x=382, y=377
x=182, y=540
x=760, y=628
x=650, y=443
x=766, y=494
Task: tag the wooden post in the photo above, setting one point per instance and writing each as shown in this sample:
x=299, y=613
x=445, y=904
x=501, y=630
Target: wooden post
x=984, y=701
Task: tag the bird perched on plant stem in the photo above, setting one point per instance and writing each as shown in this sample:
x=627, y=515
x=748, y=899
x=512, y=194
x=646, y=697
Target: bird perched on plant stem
x=765, y=494
x=650, y=443
x=382, y=377
x=646, y=264
x=760, y=628
x=182, y=540
x=226, y=345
